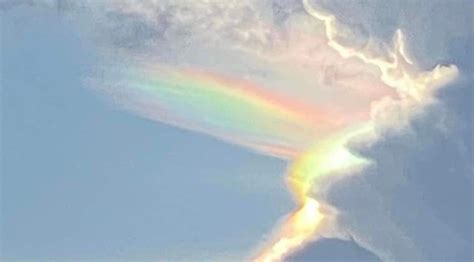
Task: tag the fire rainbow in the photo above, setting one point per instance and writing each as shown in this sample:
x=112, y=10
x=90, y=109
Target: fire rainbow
x=252, y=114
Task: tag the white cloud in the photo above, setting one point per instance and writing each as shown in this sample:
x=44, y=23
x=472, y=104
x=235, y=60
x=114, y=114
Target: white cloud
x=415, y=201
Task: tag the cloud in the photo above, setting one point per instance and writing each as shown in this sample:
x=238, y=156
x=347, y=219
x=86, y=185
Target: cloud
x=249, y=45
x=327, y=249
x=414, y=202
x=289, y=79
x=180, y=48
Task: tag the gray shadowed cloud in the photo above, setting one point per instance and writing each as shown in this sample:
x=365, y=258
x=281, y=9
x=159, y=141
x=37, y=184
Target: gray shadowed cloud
x=328, y=249
x=415, y=202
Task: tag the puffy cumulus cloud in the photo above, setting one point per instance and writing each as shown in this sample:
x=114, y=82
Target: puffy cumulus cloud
x=280, y=76
x=414, y=202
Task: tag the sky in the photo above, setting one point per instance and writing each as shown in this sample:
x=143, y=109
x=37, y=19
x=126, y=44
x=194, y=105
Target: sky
x=83, y=180
x=161, y=131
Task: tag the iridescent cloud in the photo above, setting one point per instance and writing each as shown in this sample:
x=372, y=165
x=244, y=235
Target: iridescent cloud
x=293, y=91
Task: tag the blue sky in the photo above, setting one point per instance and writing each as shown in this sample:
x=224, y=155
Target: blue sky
x=83, y=179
